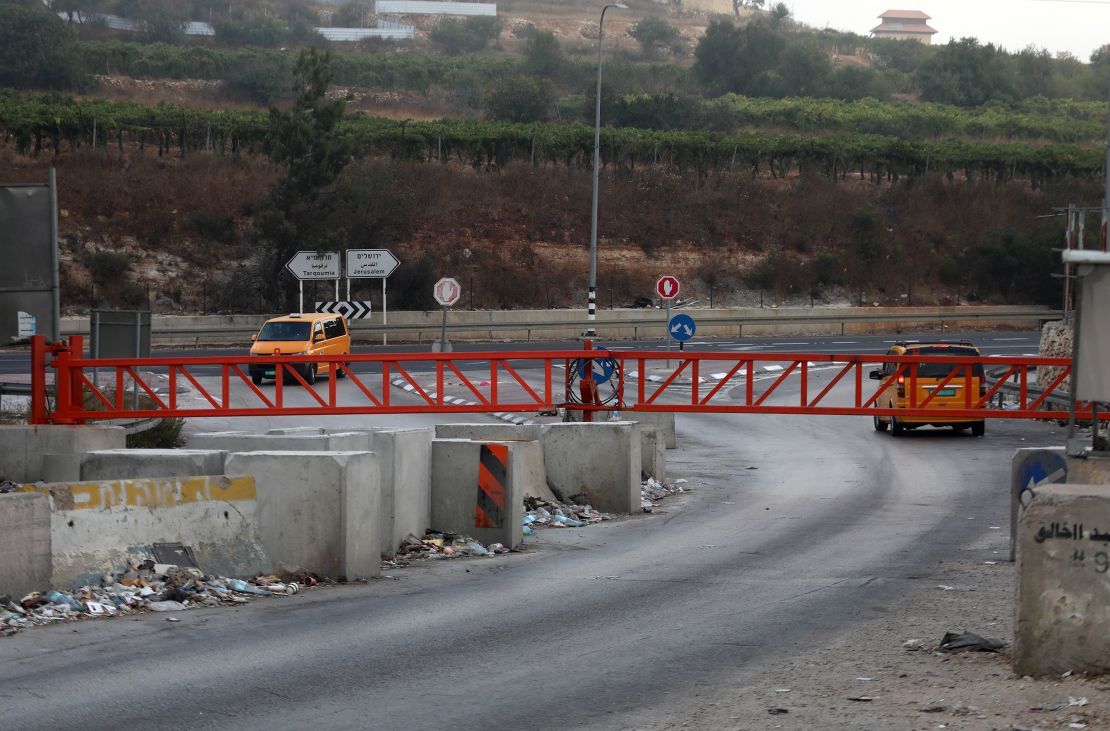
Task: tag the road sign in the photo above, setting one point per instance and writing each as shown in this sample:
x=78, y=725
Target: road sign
x=603, y=368
x=682, y=327
x=447, y=291
x=351, y=309
x=307, y=265
x=370, y=263
x=667, y=287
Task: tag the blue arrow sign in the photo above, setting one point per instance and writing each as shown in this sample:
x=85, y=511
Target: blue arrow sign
x=682, y=327
x=603, y=368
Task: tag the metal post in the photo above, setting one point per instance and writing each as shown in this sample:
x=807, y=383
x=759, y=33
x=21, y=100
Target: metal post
x=1069, y=239
x=443, y=332
x=591, y=303
x=138, y=354
x=385, y=313
x=1106, y=193
x=300, y=296
x=1072, y=385
x=55, y=287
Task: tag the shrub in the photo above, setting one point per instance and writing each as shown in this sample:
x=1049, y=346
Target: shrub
x=653, y=33
x=519, y=99
x=213, y=225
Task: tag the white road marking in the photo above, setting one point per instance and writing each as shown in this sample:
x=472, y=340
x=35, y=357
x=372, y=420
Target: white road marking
x=997, y=340
x=772, y=368
x=844, y=342
x=789, y=344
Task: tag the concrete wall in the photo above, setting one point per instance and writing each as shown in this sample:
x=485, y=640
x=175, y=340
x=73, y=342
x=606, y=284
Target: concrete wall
x=600, y=461
x=26, y=450
x=127, y=464
x=491, y=432
x=102, y=526
x=405, y=465
x=455, y=489
x=25, y=560
x=317, y=511
x=499, y=324
x=1063, y=596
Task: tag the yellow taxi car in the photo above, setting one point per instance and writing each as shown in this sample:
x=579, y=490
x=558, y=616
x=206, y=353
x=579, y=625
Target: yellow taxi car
x=929, y=382
x=300, y=334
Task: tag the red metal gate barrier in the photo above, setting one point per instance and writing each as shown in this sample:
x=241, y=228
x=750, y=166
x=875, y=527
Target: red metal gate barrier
x=88, y=389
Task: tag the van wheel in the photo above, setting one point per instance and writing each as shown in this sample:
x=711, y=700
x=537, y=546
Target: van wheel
x=310, y=374
x=896, y=428
x=339, y=372
x=256, y=380
x=880, y=425
x=979, y=428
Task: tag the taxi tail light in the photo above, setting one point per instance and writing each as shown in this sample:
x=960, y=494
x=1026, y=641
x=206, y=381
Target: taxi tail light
x=901, y=386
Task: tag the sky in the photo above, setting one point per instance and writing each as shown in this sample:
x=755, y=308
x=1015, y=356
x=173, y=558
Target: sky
x=1076, y=26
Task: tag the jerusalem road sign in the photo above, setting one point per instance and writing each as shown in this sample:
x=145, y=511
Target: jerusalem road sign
x=370, y=263
x=306, y=265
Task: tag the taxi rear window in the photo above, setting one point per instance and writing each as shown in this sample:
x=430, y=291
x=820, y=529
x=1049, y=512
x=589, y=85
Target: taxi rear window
x=284, y=331
x=940, y=370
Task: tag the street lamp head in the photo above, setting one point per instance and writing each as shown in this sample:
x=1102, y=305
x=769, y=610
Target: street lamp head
x=622, y=6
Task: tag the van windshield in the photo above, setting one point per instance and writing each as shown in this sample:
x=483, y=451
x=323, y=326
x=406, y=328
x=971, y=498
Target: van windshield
x=285, y=331
x=940, y=370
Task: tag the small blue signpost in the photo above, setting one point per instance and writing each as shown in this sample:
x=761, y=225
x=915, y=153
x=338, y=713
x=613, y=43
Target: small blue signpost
x=603, y=368
x=682, y=327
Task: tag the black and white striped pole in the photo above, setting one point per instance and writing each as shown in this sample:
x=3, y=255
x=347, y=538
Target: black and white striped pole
x=591, y=305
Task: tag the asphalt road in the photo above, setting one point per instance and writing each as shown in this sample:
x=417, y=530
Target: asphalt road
x=797, y=527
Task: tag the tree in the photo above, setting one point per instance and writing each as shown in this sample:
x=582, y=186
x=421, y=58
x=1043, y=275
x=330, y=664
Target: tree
x=805, y=71
x=37, y=50
x=542, y=54
x=306, y=141
x=77, y=10
x=653, y=33
x=965, y=73
x=246, y=28
x=519, y=99
x=741, y=60
x=465, y=36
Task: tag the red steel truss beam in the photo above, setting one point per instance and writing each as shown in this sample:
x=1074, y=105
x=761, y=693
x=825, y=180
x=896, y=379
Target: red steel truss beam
x=665, y=381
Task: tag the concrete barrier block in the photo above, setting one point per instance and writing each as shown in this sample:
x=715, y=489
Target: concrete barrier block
x=352, y=441
x=1063, y=596
x=247, y=442
x=127, y=464
x=490, y=432
x=23, y=448
x=295, y=430
x=1089, y=470
x=663, y=419
x=103, y=525
x=25, y=548
x=317, y=511
x=61, y=467
x=653, y=452
x=600, y=461
x=484, y=500
x=405, y=463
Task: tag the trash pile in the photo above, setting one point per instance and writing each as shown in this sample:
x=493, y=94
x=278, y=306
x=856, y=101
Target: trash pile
x=652, y=491
x=539, y=512
x=439, y=545
x=143, y=587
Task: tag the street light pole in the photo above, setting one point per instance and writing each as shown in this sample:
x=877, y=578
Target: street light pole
x=591, y=311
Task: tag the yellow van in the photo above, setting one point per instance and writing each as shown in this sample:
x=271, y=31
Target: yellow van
x=304, y=334
x=929, y=382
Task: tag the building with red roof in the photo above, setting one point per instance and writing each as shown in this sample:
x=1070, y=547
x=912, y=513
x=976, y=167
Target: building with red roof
x=904, y=25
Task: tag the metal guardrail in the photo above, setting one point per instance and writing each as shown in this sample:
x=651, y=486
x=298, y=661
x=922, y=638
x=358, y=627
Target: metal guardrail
x=430, y=330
